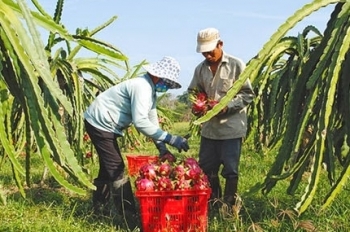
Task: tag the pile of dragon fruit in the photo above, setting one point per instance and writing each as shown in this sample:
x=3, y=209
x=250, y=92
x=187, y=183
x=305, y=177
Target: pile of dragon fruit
x=168, y=174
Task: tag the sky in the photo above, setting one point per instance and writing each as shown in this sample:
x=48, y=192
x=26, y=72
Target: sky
x=150, y=30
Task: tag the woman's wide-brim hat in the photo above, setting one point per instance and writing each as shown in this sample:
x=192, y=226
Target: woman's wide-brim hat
x=167, y=69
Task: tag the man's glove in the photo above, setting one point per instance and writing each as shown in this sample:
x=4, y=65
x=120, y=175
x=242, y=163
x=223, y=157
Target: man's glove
x=177, y=141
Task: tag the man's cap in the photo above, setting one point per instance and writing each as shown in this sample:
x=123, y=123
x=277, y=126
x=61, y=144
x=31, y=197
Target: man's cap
x=207, y=39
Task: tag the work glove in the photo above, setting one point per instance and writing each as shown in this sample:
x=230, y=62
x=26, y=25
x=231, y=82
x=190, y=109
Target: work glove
x=177, y=141
x=161, y=147
x=164, y=153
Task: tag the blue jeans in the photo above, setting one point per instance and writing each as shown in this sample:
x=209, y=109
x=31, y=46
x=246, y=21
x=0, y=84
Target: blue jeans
x=214, y=153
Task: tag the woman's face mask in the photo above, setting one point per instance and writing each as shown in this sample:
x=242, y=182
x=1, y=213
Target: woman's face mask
x=161, y=86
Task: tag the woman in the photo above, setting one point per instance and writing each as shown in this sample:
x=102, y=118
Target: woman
x=130, y=102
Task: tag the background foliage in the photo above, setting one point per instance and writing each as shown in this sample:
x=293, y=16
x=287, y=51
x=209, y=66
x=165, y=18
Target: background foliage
x=299, y=116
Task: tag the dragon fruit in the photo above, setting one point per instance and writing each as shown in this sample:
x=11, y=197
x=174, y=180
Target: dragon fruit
x=179, y=171
x=164, y=169
x=201, y=103
x=201, y=184
x=144, y=184
x=211, y=103
x=199, y=106
x=168, y=157
x=191, y=162
x=148, y=171
x=184, y=174
x=193, y=173
x=164, y=184
x=182, y=184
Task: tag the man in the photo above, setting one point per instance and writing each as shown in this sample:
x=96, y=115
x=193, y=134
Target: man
x=130, y=102
x=222, y=135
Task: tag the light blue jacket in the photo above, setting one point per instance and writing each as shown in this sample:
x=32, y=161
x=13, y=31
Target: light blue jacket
x=130, y=102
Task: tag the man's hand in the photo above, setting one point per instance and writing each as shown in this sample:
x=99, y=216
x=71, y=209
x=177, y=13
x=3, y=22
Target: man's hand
x=197, y=113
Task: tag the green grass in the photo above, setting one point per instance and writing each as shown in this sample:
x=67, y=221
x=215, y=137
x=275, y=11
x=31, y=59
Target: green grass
x=50, y=208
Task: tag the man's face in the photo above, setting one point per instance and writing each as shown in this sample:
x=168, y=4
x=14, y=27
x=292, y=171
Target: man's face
x=215, y=54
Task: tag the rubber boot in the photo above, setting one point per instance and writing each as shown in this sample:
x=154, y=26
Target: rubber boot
x=100, y=197
x=125, y=203
x=230, y=192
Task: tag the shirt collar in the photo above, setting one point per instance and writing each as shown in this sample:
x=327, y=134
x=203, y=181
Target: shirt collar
x=224, y=57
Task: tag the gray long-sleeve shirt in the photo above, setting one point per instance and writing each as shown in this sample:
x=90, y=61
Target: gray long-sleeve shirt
x=232, y=124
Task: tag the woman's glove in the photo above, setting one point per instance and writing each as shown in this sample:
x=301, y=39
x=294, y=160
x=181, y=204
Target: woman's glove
x=164, y=153
x=161, y=147
x=177, y=141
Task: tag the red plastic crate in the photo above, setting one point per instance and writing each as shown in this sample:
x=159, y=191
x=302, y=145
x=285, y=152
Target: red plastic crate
x=135, y=162
x=174, y=211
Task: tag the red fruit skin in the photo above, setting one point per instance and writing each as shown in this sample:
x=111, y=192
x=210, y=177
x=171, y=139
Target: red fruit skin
x=86, y=137
x=185, y=174
x=148, y=171
x=168, y=157
x=199, y=106
x=202, y=96
x=193, y=173
x=190, y=162
x=204, y=178
x=201, y=183
x=164, y=184
x=144, y=184
x=211, y=103
x=179, y=171
x=182, y=184
x=88, y=155
x=200, y=186
x=164, y=169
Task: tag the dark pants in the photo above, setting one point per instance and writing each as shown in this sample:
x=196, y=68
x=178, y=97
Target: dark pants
x=214, y=153
x=110, y=159
x=110, y=178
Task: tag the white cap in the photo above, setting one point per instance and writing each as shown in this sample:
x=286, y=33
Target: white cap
x=207, y=39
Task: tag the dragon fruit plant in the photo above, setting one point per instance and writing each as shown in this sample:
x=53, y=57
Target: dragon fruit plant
x=168, y=175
